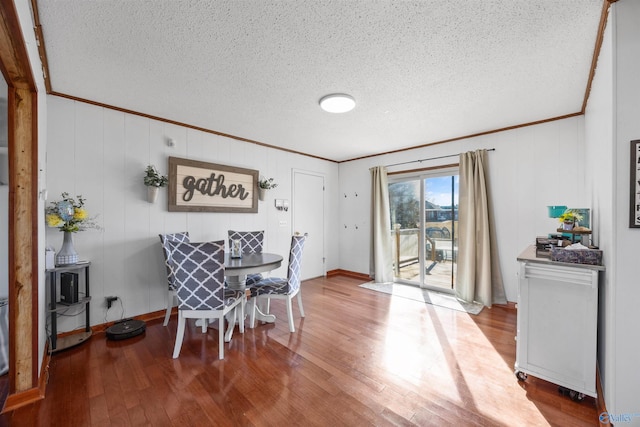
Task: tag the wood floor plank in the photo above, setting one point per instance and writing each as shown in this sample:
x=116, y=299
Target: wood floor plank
x=359, y=357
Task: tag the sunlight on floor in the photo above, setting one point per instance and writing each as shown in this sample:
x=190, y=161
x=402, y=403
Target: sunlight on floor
x=455, y=365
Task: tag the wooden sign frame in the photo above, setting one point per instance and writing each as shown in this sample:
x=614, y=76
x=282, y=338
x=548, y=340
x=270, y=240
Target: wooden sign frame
x=196, y=186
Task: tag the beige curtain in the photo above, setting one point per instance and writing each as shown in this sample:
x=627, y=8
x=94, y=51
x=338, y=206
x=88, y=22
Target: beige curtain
x=479, y=278
x=380, y=265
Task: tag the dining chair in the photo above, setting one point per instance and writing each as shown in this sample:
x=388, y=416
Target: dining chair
x=166, y=251
x=199, y=276
x=282, y=288
x=252, y=242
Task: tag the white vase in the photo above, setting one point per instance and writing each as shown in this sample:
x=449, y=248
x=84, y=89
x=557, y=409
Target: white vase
x=67, y=253
x=152, y=194
x=262, y=193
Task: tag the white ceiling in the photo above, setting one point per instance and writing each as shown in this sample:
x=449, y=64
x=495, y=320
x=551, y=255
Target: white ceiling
x=420, y=71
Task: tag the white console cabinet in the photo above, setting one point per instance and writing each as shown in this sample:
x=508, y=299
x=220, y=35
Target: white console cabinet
x=557, y=323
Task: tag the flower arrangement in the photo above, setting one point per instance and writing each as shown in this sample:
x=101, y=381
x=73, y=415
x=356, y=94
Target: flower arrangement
x=69, y=215
x=570, y=216
x=267, y=184
x=153, y=178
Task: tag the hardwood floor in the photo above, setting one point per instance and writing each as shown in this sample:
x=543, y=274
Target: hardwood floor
x=358, y=358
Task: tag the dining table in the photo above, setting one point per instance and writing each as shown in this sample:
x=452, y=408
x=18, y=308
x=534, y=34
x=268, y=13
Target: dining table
x=237, y=269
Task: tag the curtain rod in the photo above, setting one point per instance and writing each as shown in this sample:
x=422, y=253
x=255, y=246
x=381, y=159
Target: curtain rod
x=430, y=158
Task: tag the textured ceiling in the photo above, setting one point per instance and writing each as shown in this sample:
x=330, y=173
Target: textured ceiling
x=420, y=71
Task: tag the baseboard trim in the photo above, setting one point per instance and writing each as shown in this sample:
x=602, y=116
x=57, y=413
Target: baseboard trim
x=508, y=306
x=17, y=400
x=347, y=273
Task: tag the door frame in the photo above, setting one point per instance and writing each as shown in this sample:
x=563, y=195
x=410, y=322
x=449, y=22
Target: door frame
x=420, y=175
x=22, y=106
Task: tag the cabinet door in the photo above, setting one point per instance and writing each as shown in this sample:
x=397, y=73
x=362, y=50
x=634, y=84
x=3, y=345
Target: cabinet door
x=557, y=325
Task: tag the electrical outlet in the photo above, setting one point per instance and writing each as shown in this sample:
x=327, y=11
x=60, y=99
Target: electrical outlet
x=110, y=300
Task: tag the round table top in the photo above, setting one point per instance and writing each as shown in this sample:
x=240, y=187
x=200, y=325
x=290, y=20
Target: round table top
x=251, y=263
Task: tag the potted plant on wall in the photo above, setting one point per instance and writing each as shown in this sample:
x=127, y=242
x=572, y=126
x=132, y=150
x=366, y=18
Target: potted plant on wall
x=153, y=180
x=263, y=186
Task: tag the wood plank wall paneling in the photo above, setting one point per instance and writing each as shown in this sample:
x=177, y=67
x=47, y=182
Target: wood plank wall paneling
x=101, y=154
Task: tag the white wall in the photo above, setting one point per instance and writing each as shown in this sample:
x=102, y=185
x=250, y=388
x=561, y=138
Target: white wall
x=101, y=154
x=599, y=153
x=532, y=167
x=625, y=382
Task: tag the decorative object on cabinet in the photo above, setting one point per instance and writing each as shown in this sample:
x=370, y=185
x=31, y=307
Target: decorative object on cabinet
x=70, y=216
x=264, y=185
x=70, y=295
x=196, y=186
x=556, y=211
x=634, y=187
x=569, y=218
x=153, y=180
x=576, y=256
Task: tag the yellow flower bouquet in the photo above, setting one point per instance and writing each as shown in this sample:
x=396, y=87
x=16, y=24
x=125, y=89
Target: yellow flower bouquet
x=69, y=214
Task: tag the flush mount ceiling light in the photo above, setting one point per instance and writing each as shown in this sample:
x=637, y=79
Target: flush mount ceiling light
x=337, y=103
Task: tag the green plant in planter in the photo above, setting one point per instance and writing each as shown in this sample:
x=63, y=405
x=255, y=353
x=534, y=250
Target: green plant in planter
x=267, y=184
x=570, y=216
x=153, y=178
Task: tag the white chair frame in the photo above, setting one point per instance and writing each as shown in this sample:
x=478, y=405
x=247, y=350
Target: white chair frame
x=183, y=315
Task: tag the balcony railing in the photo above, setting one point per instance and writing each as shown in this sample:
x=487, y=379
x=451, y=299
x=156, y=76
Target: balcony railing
x=439, y=247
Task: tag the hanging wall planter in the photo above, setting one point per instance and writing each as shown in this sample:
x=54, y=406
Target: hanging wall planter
x=153, y=180
x=263, y=186
x=152, y=194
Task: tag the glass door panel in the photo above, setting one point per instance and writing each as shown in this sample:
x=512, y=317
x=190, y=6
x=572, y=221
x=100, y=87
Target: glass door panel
x=404, y=202
x=440, y=228
x=424, y=240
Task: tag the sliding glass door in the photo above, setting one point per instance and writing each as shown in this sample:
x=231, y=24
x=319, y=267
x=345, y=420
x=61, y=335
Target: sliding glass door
x=424, y=221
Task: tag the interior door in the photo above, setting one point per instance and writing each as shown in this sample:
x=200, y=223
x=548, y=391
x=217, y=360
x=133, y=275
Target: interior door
x=308, y=217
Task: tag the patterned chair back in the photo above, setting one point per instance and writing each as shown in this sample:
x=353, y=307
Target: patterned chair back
x=166, y=251
x=199, y=274
x=295, y=261
x=252, y=241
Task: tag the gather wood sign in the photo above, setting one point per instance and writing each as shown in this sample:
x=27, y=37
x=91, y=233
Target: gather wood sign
x=196, y=186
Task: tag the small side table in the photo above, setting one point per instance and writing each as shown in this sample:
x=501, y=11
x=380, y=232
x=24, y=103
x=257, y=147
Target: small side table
x=82, y=269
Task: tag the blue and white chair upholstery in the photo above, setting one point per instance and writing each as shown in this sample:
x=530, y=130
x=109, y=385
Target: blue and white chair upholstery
x=199, y=276
x=164, y=240
x=280, y=288
x=252, y=243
